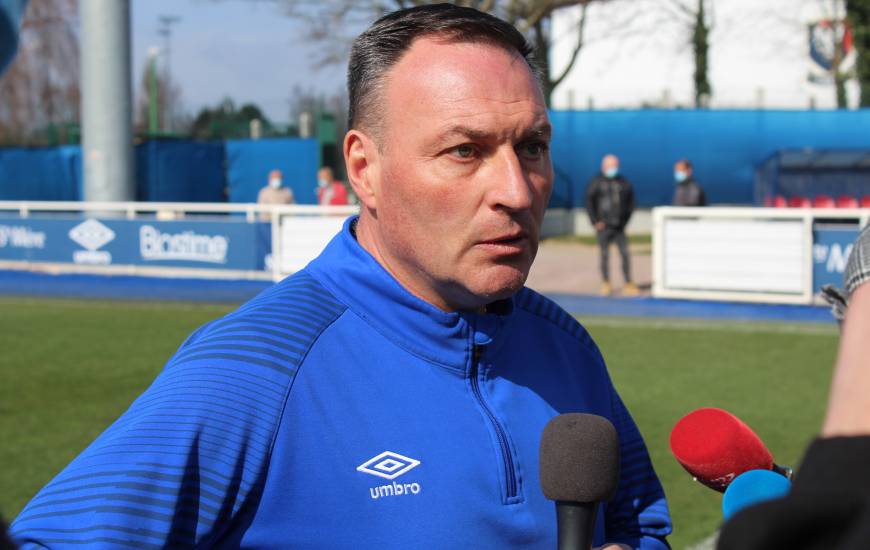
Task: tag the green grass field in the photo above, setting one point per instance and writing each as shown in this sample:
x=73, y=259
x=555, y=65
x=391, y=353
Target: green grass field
x=71, y=367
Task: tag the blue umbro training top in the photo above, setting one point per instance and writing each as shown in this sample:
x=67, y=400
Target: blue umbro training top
x=337, y=410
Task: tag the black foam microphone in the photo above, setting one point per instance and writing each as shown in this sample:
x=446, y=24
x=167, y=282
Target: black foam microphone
x=579, y=467
x=5, y=541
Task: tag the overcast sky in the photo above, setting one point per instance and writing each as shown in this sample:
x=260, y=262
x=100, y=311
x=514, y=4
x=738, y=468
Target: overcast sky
x=243, y=49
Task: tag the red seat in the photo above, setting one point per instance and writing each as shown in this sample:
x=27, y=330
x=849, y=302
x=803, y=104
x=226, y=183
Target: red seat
x=779, y=202
x=865, y=201
x=845, y=201
x=799, y=202
x=823, y=201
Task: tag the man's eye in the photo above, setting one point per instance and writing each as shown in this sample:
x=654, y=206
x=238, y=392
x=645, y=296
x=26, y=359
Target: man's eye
x=534, y=149
x=464, y=151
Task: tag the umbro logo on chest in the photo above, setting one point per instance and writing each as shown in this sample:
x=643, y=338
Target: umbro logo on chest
x=390, y=465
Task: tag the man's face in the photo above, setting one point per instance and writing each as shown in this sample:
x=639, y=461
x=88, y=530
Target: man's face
x=683, y=167
x=464, y=173
x=609, y=162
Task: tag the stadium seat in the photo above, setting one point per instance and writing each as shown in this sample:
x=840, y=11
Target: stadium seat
x=823, y=201
x=799, y=202
x=865, y=201
x=845, y=201
x=779, y=202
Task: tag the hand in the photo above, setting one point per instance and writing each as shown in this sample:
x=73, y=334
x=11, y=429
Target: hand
x=848, y=407
x=614, y=546
x=599, y=226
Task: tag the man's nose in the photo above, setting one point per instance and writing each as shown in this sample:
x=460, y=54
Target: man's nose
x=511, y=187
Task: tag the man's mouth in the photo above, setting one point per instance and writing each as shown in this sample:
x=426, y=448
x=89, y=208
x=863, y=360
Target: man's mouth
x=509, y=243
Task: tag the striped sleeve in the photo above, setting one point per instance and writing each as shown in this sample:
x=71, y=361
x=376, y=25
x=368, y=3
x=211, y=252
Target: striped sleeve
x=638, y=515
x=182, y=465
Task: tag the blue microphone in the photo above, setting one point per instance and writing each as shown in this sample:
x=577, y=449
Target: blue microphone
x=753, y=487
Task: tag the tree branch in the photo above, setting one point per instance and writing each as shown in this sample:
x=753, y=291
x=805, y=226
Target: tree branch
x=581, y=25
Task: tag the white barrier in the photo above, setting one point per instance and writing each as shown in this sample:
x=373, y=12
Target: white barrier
x=741, y=254
x=297, y=240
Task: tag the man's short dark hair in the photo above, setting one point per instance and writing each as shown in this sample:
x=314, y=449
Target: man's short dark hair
x=380, y=47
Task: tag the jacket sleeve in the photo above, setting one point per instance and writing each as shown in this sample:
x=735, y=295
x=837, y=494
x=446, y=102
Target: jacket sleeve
x=176, y=469
x=638, y=514
x=592, y=201
x=628, y=208
x=828, y=506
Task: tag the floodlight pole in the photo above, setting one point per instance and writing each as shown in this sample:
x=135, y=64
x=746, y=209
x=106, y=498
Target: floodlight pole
x=107, y=129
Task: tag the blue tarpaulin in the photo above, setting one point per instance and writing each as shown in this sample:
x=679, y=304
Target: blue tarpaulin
x=724, y=146
x=180, y=171
x=41, y=173
x=250, y=161
x=166, y=171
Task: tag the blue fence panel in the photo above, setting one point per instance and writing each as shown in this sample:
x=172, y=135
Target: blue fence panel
x=724, y=147
x=180, y=171
x=40, y=173
x=226, y=244
x=250, y=161
x=832, y=244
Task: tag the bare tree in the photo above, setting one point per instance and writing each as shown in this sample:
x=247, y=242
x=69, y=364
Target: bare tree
x=858, y=12
x=834, y=24
x=41, y=88
x=328, y=20
x=697, y=18
x=168, y=98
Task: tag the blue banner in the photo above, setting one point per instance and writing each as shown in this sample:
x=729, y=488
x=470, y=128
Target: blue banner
x=832, y=244
x=232, y=244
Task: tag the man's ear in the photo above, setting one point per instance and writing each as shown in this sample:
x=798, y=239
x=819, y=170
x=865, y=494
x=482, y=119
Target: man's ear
x=362, y=160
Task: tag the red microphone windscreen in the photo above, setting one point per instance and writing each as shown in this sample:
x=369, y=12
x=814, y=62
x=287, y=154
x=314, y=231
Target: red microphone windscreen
x=715, y=447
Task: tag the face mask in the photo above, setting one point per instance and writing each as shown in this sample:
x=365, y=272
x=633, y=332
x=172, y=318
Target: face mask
x=680, y=176
x=611, y=172
x=275, y=183
x=322, y=183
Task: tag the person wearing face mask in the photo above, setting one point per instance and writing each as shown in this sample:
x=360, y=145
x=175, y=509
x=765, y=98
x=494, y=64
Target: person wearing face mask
x=329, y=191
x=688, y=192
x=610, y=203
x=275, y=193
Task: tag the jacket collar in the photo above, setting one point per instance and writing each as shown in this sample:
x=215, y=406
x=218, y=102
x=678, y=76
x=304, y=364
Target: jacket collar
x=353, y=276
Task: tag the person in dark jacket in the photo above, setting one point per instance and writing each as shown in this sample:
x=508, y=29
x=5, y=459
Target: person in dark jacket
x=610, y=203
x=688, y=192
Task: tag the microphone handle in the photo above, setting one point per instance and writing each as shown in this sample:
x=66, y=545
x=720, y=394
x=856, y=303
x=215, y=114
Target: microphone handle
x=784, y=471
x=575, y=522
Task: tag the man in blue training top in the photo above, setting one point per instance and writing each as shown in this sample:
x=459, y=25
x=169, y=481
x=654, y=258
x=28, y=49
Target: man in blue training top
x=391, y=394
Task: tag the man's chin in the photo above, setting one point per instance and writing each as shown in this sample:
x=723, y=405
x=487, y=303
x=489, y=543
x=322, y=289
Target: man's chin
x=500, y=283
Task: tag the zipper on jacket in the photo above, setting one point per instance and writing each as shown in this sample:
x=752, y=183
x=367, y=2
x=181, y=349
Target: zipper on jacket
x=507, y=458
